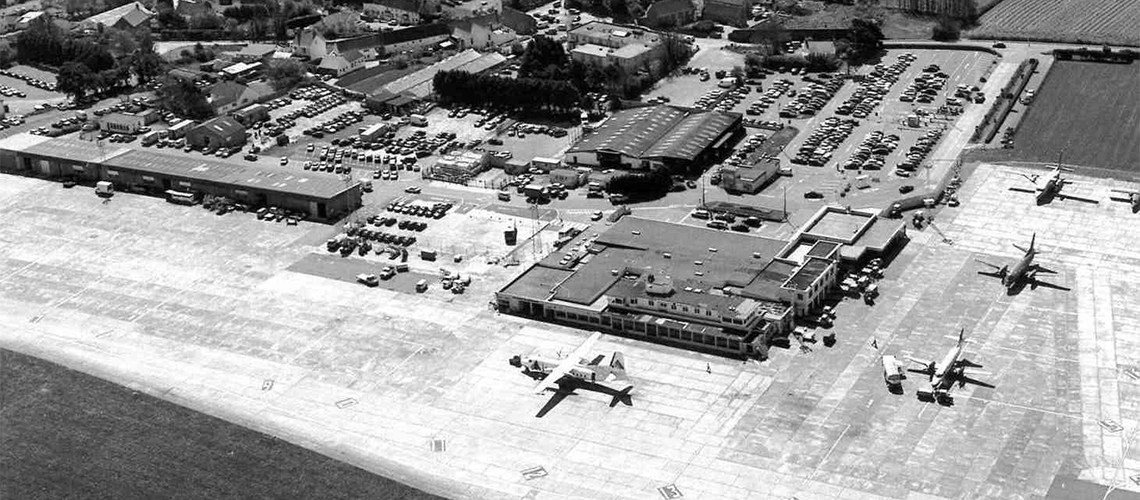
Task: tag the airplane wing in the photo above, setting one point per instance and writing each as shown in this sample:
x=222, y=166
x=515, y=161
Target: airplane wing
x=1042, y=269
x=1024, y=190
x=924, y=362
x=995, y=266
x=971, y=377
x=1054, y=286
x=567, y=364
x=1075, y=198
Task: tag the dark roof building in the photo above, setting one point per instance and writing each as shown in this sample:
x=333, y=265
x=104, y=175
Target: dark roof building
x=670, y=13
x=222, y=132
x=656, y=135
x=731, y=12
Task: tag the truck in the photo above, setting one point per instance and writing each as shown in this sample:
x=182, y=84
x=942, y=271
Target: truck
x=368, y=279
x=892, y=373
x=534, y=191
x=421, y=286
x=104, y=189
x=417, y=120
x=151, y=137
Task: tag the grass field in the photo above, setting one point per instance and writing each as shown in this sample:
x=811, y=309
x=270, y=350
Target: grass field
x=1078, y=21
x=1090, y=110
x=69, y=435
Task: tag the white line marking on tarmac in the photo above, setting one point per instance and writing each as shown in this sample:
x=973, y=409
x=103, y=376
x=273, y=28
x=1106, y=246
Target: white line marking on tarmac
x=1030, y=408
x=828, y=454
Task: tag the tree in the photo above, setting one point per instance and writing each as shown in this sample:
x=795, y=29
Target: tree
x=753, y=64
x=75, y=79
x=947, y=30
x=146, y=63
x=738, y=73
x=285, y=73
x=822, y=61
x=184, y=98
x=864, y=42
x=544, y=58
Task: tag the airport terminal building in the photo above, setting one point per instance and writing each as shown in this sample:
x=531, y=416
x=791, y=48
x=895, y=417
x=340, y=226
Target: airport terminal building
x=325, y=198
x=693, y=287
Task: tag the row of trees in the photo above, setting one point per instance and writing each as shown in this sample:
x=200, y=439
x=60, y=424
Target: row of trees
x=108, y=60
x=814, y=61
x=529, y=94
x=268, y=19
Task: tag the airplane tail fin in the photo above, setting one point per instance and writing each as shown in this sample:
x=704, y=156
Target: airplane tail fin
x=1032, y=242
x=617, y=366
x=962, y=336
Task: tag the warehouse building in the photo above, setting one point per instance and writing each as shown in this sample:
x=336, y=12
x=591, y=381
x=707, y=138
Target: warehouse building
x=697, y=288
x=221, y=132
x=321, y=197
x=663, y=135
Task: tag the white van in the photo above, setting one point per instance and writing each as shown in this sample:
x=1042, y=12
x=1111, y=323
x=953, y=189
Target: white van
x=726, y=83
x=421, y=286
x=104, y=189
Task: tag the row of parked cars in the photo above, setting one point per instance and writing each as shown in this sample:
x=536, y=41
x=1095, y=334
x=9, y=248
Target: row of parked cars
x=7, y=91
x=435, y=211
x=812, y=99
x=769, y=97
x=823, y=141
x=924, y=88
x=31, y=80
x=918, y=152
x=871, y=154
x=874, y=88
x=342, y=121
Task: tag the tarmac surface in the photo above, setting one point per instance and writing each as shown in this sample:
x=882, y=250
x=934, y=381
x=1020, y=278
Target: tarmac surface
x=203, y=311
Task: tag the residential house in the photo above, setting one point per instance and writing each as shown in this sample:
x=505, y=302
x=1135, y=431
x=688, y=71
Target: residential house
x=191, y=8
x=471, y=8
x=731, y=12
x=492, y=30
x=255, y=52
x=125, y=17
x=338, y=64
x=228, y=96
x=26, y=20
x=407, y=12
x=670, y=13
x=309, y=43
x=220, y=132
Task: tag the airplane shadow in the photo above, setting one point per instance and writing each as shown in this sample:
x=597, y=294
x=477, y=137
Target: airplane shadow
x=567, y=388
x=1020, y=286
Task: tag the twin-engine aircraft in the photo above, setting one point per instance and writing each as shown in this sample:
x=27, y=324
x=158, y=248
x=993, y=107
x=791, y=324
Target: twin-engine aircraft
x=576, y=371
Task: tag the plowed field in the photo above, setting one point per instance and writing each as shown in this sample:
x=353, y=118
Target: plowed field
x=1114, y=22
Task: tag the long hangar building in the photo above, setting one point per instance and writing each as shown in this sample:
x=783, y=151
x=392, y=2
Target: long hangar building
x=323, y=197
x=662, y=135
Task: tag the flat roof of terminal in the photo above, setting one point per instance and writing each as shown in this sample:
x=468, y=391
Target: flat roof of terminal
x=537, y=282
x=808, y=273
x=839, y=224
x=642, y=246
